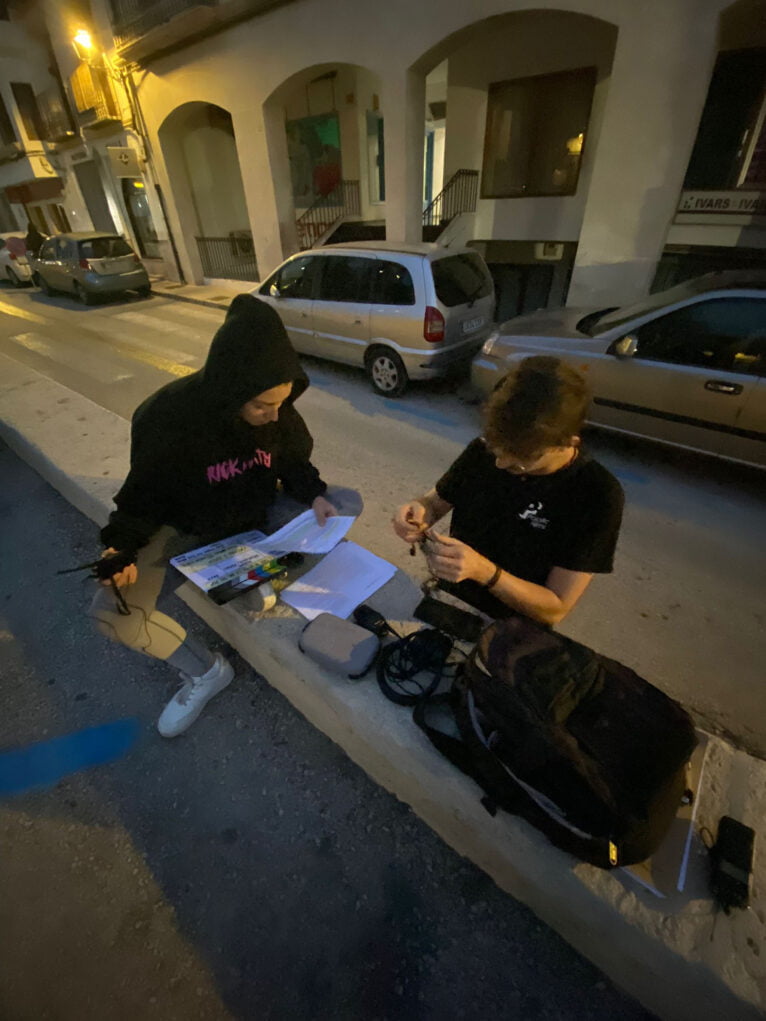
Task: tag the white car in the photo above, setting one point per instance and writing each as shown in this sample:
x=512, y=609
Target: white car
x=686, y=366
x=14, y=266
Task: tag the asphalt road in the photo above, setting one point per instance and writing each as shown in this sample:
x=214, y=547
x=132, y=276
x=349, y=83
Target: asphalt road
x=247, y=869
x=685, y=605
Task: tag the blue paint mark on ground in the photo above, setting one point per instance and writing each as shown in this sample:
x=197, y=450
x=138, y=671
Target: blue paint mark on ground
x=45, y=763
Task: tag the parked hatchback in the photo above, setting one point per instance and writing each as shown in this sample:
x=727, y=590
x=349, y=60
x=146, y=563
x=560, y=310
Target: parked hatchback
x=13, y=259
x=399, y=311
x=685, y=366
x=89, y=264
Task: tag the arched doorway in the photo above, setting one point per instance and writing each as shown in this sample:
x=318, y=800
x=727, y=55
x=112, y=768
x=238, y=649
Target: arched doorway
x=513, y=107
x=201, y=156
x=333, y=134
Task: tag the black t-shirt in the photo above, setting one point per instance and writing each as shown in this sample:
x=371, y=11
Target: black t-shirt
x=533, y=523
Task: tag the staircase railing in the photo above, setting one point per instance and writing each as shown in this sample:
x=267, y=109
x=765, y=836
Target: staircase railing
x=341, y=202
x=458, y=195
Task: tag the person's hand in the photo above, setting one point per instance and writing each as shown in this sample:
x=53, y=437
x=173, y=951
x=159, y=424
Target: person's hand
x=323, y=510
x=410, y=521
x=129, y=576
x=452, y=560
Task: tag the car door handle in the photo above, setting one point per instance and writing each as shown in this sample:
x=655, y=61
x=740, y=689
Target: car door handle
x=357, y=322
x=720, y=387
x=304, y=315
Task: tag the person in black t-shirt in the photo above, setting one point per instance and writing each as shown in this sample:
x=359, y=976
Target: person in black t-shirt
x=534, y=517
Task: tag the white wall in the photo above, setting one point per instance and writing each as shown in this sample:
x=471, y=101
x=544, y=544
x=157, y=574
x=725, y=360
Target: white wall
x=212, y=165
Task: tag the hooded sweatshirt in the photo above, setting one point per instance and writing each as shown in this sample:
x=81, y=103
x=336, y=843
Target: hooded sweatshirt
x=195, y=463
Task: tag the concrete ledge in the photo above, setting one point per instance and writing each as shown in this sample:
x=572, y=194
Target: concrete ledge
x=659, y=951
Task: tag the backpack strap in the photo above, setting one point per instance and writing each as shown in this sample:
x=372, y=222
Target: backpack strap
x=501, y=788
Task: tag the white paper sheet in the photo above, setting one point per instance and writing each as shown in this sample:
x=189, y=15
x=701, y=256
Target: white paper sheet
x=345, y=578
x=304, y=535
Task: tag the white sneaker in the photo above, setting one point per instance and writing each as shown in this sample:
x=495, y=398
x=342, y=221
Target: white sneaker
x=189, y=701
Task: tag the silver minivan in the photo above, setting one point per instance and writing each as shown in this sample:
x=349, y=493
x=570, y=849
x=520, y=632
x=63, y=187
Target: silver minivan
x=401, y=312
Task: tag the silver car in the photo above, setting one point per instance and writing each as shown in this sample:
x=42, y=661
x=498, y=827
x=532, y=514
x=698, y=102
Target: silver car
x=89, y=264
x=399, y=311
x=686, y=366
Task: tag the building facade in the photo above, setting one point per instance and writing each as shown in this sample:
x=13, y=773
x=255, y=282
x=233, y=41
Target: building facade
x=590, y=149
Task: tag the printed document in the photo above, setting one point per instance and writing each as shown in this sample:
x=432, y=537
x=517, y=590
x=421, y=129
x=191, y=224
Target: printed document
x=347, y=576
x=304, y=535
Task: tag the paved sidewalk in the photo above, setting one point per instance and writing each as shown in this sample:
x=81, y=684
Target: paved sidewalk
x=217, y=295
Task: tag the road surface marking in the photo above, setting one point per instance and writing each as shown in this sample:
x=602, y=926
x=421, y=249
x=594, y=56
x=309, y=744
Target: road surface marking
x=151, y=322
x=87, y=364
x=21, y=313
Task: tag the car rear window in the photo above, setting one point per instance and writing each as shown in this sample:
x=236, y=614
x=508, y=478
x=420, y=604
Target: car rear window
x=459, y=279
x=104, y=248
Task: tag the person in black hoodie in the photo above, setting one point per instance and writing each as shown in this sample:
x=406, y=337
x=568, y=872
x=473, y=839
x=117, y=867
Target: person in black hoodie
x=219, y=452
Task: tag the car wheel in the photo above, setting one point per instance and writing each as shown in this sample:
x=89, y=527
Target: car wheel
x=14, y=280
x=386, y=372
x=44, y=286
x=144, y=292
x=82, y=295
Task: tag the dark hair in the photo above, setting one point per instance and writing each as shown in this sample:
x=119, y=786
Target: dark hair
x=541, y=403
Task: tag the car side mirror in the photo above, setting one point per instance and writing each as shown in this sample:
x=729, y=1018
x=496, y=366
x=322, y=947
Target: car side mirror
x=626, y=347
x=274, y=291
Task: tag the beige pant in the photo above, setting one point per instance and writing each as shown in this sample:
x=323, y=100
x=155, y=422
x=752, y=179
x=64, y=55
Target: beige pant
x=145, y=629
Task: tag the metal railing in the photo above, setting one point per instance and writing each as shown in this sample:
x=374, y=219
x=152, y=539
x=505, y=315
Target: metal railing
x=458, y=195
x=229, y=258
x=342, y=201
x=133, y=18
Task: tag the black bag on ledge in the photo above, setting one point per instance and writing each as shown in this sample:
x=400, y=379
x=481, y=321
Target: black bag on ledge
x=579, y=745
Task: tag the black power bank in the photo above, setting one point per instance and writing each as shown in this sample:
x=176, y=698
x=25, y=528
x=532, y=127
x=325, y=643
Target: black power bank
x=731, y=864
x=458, y=623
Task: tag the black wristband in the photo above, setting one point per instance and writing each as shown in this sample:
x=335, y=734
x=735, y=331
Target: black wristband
x=494, y=579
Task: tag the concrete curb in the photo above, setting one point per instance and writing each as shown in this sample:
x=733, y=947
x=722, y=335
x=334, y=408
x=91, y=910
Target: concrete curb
x=660, y=952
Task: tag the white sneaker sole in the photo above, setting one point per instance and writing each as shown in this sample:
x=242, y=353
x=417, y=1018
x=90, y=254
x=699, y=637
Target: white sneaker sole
x=177, y=718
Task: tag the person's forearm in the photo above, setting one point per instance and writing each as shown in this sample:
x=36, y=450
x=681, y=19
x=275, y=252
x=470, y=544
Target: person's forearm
x=435, y=507
x=535, y=601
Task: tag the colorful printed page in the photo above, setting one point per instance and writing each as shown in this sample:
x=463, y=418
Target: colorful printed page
x=224, y=561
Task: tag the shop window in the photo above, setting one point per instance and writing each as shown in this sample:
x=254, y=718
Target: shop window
x=730, y=149
x=7, y=132
x=37, y=216
x=59, y=218
x=29, y=111
x=134, y=193
x=535, y=134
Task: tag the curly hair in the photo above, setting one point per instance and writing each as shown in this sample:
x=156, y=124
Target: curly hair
x=542, y=403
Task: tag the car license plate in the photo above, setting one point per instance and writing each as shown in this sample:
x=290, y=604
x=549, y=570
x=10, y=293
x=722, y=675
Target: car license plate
x=469, y=325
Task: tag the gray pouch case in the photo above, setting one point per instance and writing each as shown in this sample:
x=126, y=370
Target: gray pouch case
x=339, y=645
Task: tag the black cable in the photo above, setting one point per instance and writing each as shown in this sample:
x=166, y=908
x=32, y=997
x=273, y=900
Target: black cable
x=423, y=652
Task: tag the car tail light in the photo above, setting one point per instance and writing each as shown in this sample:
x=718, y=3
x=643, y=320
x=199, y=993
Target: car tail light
x=12, y=256
x=84, y=264
x=433, y=325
